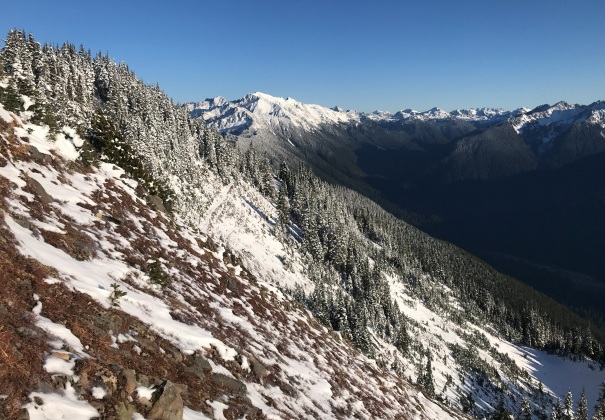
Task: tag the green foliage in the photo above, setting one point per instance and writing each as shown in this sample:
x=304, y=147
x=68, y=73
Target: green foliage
x=599, y=409
x=116, y=294
x=582, y=412
x=108, y=142
x=501, y=412
x=157, y=275
x=525, y=410
x=9, y=97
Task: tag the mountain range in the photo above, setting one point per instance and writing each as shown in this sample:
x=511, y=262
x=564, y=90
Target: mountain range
x=523, y=189
x=154, y=268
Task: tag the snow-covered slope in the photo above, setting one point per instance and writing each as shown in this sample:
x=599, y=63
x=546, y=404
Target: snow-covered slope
x=259, y=111
x=124, y=296
x=561, y=115
x=221, y=333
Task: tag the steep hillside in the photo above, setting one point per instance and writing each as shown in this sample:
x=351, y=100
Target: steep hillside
x=217, y=274
x=112, y=308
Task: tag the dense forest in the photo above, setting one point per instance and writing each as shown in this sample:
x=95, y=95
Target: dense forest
x=351, y=244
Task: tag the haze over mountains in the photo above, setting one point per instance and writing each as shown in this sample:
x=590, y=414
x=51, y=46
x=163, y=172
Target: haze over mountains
x=523, y=189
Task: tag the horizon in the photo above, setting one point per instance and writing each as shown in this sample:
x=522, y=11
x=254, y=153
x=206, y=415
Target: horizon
x=354, y=55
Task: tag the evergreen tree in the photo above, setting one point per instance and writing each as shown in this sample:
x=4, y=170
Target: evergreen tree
x=9, y=96
x=525, y=410
x=557, y=411
x=501, y=412
x=567, y=411
x=426, y=380
x=582, y=412
x=599, y=409
x=542, y=414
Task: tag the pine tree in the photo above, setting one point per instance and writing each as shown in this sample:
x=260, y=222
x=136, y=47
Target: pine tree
x=542, y=414
x=582, y=412
x=525, y=410
x=501, y=412
x=599, y=409
x=557, y=411
x=567, y=412
x=9, y=97
x=425, y=379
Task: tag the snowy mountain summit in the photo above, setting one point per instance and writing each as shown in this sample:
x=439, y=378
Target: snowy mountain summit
x=259, y=111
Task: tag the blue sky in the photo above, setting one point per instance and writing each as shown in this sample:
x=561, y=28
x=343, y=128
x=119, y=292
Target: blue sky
x=362, y=55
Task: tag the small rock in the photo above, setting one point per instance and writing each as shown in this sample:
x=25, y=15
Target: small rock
x=61, y=355
x=124, y=411
x=288, y=389
x=229, y=383
x=175, y=353
x=111, y=322
x=23, y=415
x=23, y=222
x=143, y=380
x=157, y=203
x=148, y=345
x=167, y=403
x=127, y=380
x=258, y=369
x=39, y=190
x=39, y=156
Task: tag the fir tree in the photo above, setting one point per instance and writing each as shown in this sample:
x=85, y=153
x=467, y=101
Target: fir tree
x=599, y=409
x=501, y=412
x=567, y=411
x=525, y=410
x=582, y=412
x=557, y=411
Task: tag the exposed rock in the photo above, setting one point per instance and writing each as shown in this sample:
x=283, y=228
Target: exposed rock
x=111, y=322
x=200, y=367
x=148, y=345
x=167, y=403
x=143, y=380
x=229, y=383
x=61, y=355
x=127, y=380
x=39, y=190
x=39, y=157
x=107, y=217
x=23, y=415
x=288, y=389
x=258, y=369
x=23, y=222
x=175, y=353
x=124, y=411
x=157, y=203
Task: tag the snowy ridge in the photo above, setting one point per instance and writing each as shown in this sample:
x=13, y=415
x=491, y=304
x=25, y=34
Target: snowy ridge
x=259, y=111
x=560, y=114
x=262, y=112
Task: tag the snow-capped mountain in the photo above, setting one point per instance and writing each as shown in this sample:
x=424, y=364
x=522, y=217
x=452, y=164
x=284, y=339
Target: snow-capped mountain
x=561, y=114
x=259, y=111
x=152, y=269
